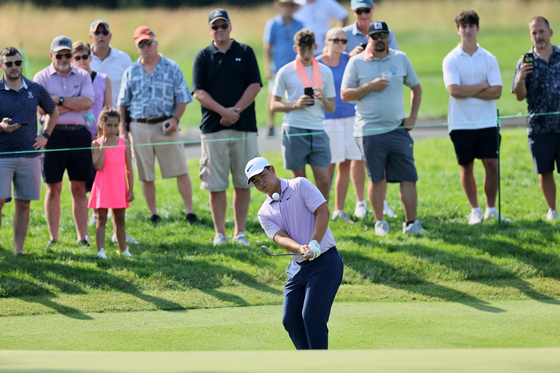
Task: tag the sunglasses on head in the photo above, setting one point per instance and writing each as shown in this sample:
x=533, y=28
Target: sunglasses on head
x=224, y=26
x=145, y=42
x=10, y=63
x=382, y=35
x=67, y=55
x=364, y=10
x=83, y=57
x=104, y=32
x=337, y=40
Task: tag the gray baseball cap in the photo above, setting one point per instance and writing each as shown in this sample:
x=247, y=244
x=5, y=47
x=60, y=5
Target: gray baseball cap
x=95, y=24
x=61, y=42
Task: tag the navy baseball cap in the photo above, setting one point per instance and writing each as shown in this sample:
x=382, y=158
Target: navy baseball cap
x=357, y=4
x=217, y=14
x=377, y=27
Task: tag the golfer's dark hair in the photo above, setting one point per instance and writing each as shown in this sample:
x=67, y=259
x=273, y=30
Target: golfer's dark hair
x=538, y=19
x=103, y=116
x=467, y=17
x=304, y=38
x=9, y=52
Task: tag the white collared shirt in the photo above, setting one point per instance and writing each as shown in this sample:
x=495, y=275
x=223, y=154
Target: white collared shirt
x=114, y=66
x=462, y=69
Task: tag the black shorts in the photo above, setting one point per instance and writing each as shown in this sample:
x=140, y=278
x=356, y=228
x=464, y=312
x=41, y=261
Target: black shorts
x=471, y=144
x=78, y=163
x=545, y=149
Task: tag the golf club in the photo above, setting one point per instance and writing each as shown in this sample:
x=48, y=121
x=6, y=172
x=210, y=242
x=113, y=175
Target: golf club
x=268, y=252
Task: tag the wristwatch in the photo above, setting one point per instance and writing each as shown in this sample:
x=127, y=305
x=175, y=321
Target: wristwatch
x=61, y=100
x=45, y=134
x=176, y=118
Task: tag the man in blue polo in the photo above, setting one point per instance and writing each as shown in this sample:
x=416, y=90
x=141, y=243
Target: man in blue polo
x=226, y=80
x=19, y=98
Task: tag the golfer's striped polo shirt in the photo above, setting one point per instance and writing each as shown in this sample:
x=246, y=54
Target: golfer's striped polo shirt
x=294, y=213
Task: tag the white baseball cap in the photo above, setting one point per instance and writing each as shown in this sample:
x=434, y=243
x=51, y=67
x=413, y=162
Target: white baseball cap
x=254, y=167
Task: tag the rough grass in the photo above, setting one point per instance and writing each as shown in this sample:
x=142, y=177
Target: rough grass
x=176, y=267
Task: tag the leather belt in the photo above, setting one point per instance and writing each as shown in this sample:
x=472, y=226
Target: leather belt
x=69, y=127
x=151, y=120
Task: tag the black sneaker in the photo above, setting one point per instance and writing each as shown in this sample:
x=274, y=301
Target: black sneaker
x=271, y=132
x=83, y=242
x=51, y=243
x=155, y=219
x=192, y=219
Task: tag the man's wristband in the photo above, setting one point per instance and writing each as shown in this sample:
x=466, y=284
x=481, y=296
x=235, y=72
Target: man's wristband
x=299, y=249
x=176, y=118
x=45, y=134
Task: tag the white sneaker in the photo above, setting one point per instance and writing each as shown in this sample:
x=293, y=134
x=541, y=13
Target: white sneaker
x=552, y=215
x=241, y=239
x=493, y=214
x=387, y=210
x=381, y=228
x=414, y=228
x=128, y=239
x=220, y=239
x=93, y=219
x=475, y=217
x=125, y=253
x=361, y=210
x=342, y=216
x=101, y=254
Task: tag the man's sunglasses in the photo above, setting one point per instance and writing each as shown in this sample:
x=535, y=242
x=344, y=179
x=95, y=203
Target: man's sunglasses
x=364, y=10
x=145, y=42
x=10, y=63
x=67, y=55
x=337, y=40
x=224, y=26
x=104, y=32
x=382, y=35
x=83, y=57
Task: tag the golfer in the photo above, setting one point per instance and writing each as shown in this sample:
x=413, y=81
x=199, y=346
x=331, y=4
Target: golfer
x=297, y=219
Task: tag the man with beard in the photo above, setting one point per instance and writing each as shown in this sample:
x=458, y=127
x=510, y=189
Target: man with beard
x=70, y=88
x=537, y=81
x=374, y=79
x=19, y=98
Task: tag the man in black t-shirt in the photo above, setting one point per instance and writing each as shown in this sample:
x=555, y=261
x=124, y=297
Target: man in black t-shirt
x=226, y=80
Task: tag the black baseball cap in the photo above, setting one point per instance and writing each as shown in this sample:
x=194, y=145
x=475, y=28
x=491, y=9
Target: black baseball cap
x=377, y=27
x=217, y=14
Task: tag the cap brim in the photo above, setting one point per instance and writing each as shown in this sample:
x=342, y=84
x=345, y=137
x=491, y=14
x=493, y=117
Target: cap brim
x=61, y=47
x=257, y=172
x=217, y=18
x=142, y=38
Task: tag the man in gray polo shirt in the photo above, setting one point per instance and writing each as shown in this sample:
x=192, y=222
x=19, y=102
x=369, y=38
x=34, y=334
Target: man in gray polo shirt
x=374, y=79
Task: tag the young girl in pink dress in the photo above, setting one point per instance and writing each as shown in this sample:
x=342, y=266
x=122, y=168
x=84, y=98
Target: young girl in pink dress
x=112, y=160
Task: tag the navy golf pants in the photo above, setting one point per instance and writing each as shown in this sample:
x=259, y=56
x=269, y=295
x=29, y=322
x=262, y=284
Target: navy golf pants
x=308, y=298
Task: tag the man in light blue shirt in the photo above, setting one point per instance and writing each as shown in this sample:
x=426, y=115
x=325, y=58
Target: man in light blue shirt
x=279, y=46
x=157, y=93
x=357, y=32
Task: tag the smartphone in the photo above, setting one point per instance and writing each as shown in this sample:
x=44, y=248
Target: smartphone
x=167, y=125
x=308, y=91
x=528, y=57
x=363, y=45
x=21, y=124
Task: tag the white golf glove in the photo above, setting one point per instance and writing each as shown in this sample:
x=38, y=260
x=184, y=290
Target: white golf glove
x=315, y=249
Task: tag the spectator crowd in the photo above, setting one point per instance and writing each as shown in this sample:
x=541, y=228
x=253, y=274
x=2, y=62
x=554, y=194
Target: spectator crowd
x=92, y=113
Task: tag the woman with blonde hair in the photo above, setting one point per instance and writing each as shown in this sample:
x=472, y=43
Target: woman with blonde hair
x=339, y=127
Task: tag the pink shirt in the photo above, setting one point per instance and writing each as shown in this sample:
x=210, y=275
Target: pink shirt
x=294, y=213
x=76, y=83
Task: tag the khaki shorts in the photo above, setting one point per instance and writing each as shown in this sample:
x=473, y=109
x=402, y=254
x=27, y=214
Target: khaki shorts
x=223, y=151
x=171, y=157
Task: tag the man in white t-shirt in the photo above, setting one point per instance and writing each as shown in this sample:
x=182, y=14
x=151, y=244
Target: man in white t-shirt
x=472, y=77
x=316, y=16
x=107, y=59
x=304, y=140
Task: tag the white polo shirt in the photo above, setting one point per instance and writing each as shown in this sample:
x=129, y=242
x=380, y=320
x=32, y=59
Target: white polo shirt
x=114, y=66
x=460, y=68
x=287, y=83
x=317, y=16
